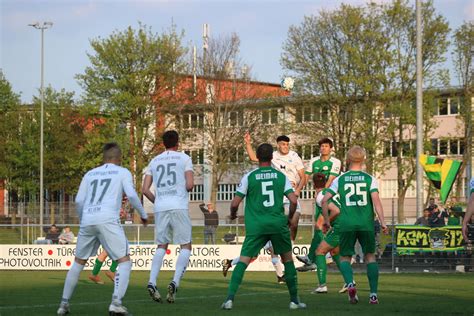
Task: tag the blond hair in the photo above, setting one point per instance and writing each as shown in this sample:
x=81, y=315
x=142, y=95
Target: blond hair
x=356, y=154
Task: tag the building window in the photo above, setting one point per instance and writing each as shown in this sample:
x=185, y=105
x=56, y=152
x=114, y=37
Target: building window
x=443, y=146
x=197, y=193
x=187, y=121
x=306, y=152
x=311, y=114
x=234, y=119
x=210, y=93
x=392, y=148
x=447, y=106
x=388, y=189
x=454, y=105
x=237, y=155
x=308, y=192
x=443, y=106
x=454, y=146
x=270, y=116
x=434, y=146
x=225, y=192
x=197, y=156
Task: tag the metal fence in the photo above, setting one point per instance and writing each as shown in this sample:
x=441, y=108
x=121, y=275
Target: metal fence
x=387, y=256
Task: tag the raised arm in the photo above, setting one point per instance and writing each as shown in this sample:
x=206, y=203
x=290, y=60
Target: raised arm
x=248, y=147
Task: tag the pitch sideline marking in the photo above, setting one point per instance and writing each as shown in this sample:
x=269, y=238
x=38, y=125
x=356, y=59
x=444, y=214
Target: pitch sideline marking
x=132, y=301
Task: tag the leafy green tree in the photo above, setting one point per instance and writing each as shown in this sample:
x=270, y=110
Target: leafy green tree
x=463, y=56
x=400, y=27
x=341, y=74
x=9, y=111
x=358, y=65
x=126, y=69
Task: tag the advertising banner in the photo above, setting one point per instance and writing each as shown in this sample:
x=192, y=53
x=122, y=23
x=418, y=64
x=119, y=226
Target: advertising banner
x=411, y=238
x=61, y=257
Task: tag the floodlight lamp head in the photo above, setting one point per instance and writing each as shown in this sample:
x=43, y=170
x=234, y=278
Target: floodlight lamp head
x=35, y=25
x=47, y=24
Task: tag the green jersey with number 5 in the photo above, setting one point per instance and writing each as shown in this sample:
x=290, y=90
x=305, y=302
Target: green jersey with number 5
x=264, y=189
x=357, y=210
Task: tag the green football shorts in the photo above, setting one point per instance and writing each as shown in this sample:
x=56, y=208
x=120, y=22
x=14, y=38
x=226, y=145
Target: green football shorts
x=332, y=237
x=348, y=240
x=252, y=245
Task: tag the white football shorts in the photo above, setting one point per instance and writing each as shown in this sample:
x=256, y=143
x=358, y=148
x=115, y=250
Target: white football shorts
x=110, y=235
x=173, y=226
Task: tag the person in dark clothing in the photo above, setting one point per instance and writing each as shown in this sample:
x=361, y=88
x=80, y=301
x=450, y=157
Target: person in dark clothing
x=53, y=234
x=425, y=219
x=211, y=221
x=437, y=217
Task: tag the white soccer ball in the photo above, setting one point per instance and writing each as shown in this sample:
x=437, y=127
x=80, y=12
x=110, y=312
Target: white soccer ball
x=288, y=83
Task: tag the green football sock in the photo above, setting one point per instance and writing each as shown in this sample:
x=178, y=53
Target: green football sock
x=97, y=265
x=291, y=281
x=346, y=271
x=337, y=260
x=113, y=266
x=373, y=276
x=236, y=280
x=317, y=238
x=322, y=269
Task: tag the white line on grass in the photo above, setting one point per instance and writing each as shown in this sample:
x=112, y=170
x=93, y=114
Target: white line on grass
x=135, y=301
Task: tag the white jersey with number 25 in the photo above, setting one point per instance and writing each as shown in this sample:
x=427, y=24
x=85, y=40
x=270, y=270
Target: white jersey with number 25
x=169, y=182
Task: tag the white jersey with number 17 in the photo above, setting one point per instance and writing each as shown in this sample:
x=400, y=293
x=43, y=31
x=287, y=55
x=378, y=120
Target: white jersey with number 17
x=168, y=173
x=100, y=195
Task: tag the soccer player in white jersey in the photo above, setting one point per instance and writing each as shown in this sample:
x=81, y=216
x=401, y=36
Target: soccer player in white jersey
x=98, y=206
x=171, y=174
x=290, y=164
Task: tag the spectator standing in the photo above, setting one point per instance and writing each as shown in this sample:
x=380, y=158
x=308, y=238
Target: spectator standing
x=437, y=217
x=454, y=218
x=211, y=221
x=425, y=219
x=66, y=237
x=432, y=205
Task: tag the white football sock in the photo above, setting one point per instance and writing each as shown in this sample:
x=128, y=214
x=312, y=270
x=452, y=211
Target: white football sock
x=181, y=265
x=156, y=265
x=71, y=281
x=122, y=276
x=235, y=261
x=278, y=266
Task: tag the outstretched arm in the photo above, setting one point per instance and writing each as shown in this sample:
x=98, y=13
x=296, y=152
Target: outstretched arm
x=248, y=147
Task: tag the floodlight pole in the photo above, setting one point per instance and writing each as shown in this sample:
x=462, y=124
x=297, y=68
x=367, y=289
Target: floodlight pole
x=42, y=27
x=419, y=110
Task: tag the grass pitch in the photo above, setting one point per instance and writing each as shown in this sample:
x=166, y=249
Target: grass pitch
x=201, y=293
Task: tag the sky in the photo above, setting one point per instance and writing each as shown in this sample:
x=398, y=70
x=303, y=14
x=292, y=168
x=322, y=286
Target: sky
x=262, y=26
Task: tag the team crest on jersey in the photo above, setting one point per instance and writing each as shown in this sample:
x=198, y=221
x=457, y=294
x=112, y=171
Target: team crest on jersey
x=325, y=168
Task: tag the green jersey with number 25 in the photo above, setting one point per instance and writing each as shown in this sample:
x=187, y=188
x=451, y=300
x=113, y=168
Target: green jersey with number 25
x=357, y=210
x=264, y=189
